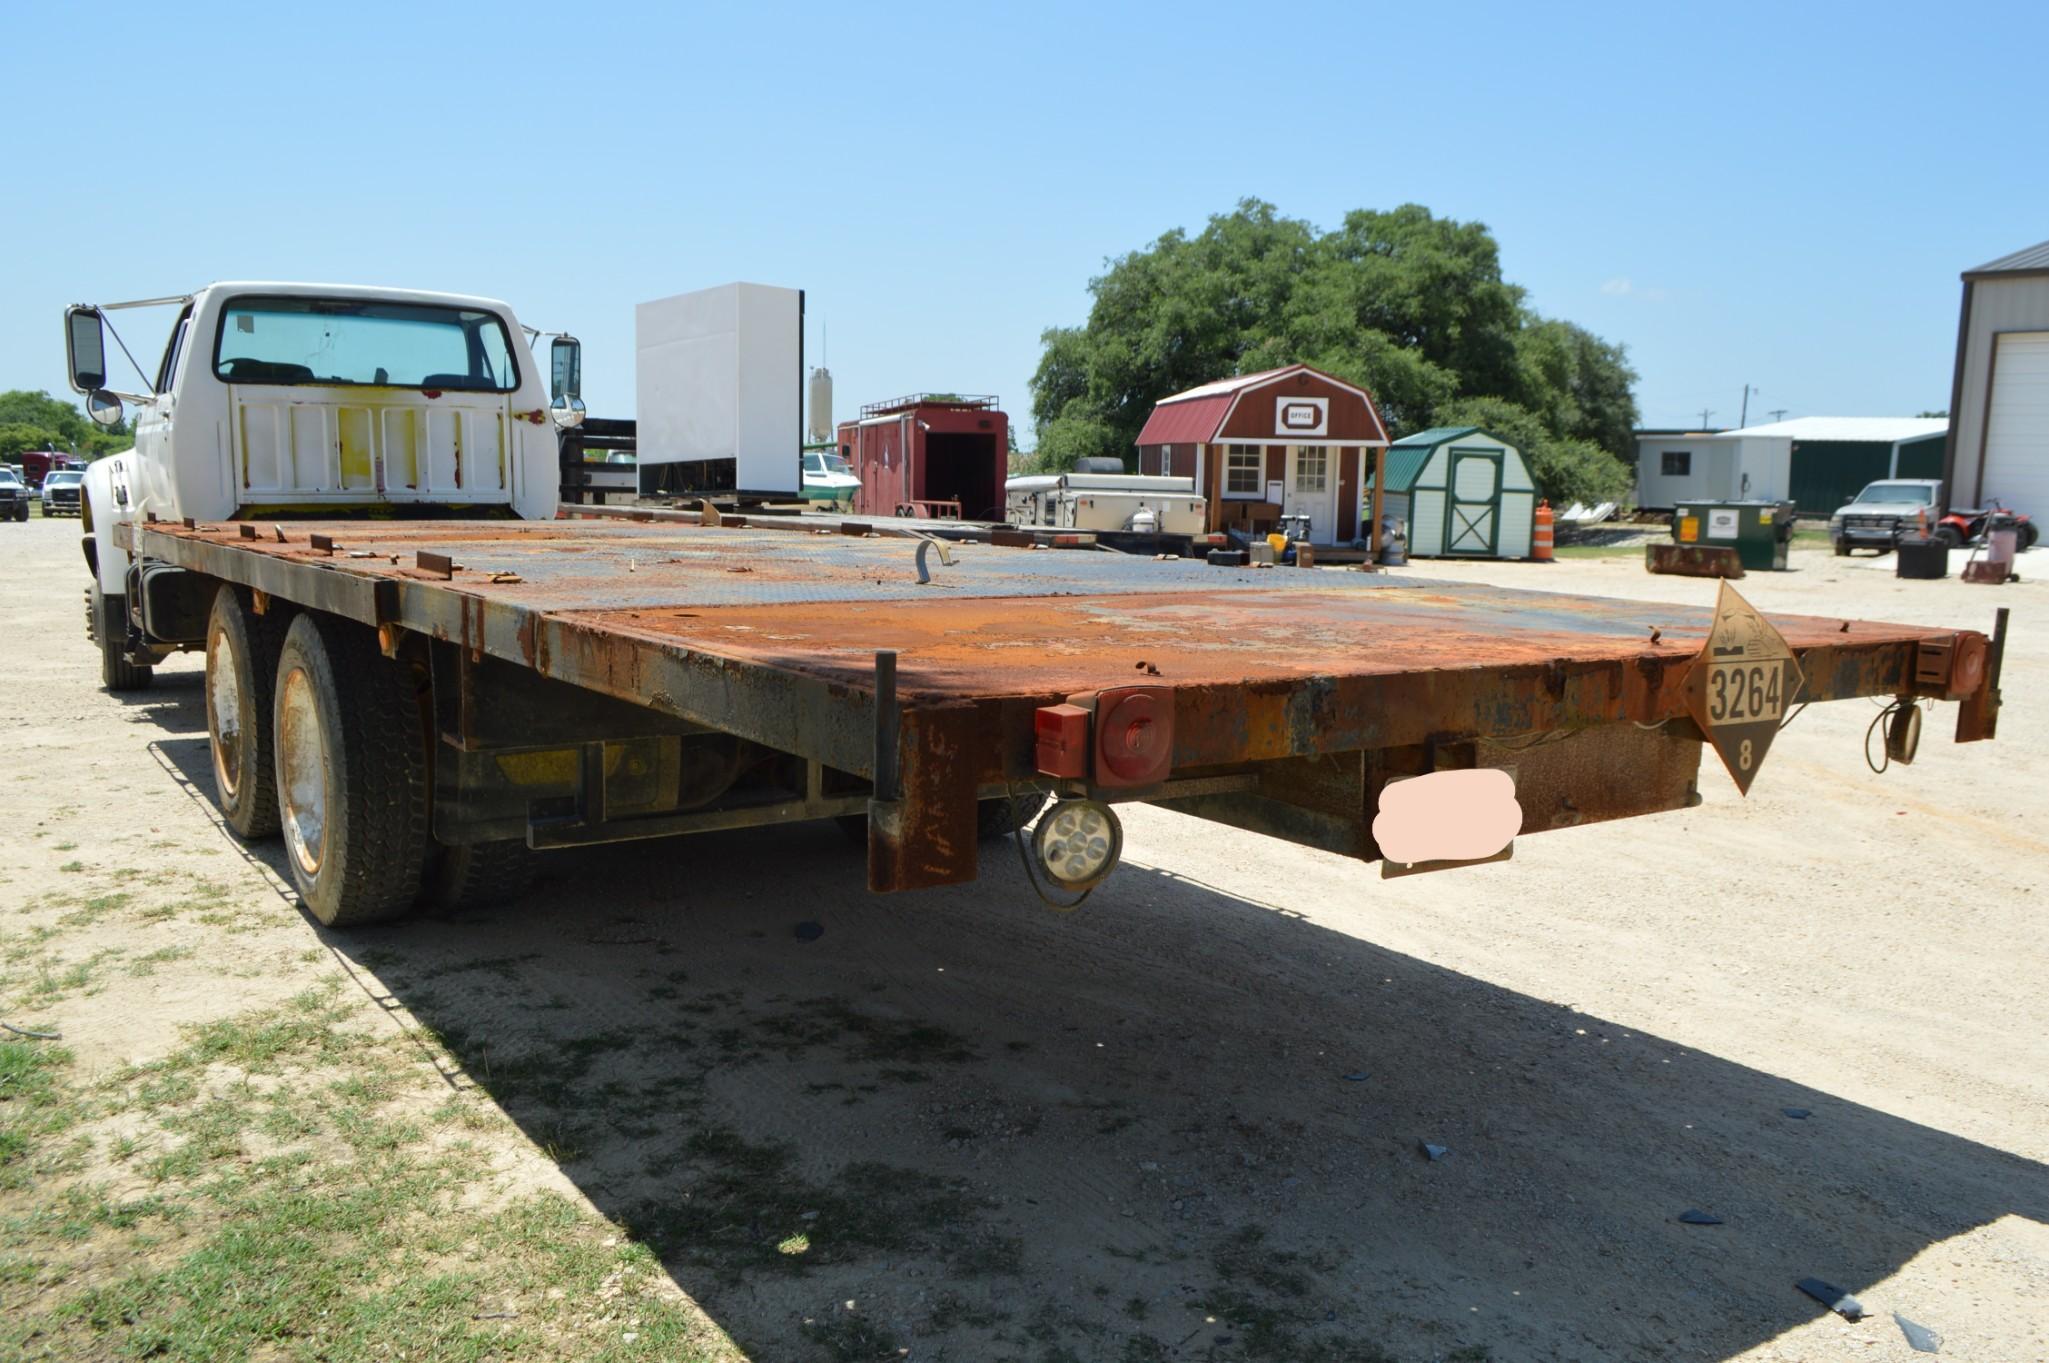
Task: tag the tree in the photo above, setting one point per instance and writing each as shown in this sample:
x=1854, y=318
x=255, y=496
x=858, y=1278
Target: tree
x=1410, y=306
x=47, y=423
x=1565, y=469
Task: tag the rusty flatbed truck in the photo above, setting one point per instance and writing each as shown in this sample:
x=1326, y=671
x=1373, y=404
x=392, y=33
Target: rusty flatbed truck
x=418, y=703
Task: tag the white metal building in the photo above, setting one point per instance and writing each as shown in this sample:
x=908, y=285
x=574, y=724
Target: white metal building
x=1816, y=462
x=1999, y=448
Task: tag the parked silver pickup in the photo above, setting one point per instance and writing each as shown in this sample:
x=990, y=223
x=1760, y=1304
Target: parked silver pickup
x=1883, y=511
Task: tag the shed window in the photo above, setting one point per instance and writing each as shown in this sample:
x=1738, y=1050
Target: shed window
x=1678, y=463
x=1244, y=470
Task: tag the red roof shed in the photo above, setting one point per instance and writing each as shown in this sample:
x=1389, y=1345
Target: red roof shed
x=1287, y=441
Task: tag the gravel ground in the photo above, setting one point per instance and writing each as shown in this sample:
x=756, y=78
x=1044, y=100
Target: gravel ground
x=1185, y=1122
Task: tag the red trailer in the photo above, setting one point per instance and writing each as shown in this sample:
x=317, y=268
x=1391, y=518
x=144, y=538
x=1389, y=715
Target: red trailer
x=941, y=455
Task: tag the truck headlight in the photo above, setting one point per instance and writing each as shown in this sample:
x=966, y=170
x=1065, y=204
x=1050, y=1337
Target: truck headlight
x=1078, y=842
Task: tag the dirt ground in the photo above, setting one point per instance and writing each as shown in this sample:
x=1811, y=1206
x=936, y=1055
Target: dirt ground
x=1183, y=1123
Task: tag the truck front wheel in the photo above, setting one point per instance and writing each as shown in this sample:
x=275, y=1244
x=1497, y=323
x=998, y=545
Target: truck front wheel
x=352, y=773
x=242, y=650
x=107, y=622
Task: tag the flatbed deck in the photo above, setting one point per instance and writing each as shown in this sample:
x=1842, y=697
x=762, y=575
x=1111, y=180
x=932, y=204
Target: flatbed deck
x=773, y=636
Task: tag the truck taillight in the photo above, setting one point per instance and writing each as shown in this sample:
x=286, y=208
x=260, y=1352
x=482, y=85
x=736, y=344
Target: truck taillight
x=1134, y=736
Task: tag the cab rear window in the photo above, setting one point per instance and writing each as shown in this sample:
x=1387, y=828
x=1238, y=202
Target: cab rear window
x=341, y=342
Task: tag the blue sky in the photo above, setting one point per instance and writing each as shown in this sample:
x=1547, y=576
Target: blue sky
x=1775, y=194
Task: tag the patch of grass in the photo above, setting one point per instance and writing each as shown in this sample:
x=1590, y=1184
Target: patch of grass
x=302, y=1030
x=52, y=983
x=361, y=1248
x=143, y=966
x=34, y=1107
x=96, y=908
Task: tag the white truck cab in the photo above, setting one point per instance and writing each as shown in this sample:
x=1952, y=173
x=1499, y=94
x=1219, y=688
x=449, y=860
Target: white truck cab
x=277, y=399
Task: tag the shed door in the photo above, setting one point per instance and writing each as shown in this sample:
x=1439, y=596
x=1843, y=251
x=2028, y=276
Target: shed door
x=2017, y=425
x=1472, y=512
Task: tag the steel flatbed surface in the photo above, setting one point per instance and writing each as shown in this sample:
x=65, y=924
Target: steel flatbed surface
x=772, y=635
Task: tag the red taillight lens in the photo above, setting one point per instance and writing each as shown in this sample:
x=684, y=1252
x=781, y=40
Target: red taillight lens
x=1134, y=736
x=1062, y=732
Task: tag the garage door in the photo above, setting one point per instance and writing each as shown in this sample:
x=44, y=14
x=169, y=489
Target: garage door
x=2017, y=425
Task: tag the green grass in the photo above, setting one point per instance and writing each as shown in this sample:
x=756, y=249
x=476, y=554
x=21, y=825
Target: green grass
x=296, y=1212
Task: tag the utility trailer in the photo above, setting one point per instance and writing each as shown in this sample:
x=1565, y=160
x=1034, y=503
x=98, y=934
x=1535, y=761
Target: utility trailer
x=591, y=681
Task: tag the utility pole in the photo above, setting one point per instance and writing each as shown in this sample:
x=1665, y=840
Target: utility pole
x=1705, y=413
x=1744, y=420
x=1779, y=413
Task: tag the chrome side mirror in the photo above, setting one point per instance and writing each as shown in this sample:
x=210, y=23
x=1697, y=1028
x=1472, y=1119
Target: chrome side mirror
x=103, y=407
x=85, y=349
x=566, y=355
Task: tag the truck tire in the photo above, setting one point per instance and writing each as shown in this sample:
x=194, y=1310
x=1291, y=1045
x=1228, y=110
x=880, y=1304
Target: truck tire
x=1000, y=818
x=352, y=774
x=107, y=623
x=242, y=651
x=1842, y=548
x=478, y=875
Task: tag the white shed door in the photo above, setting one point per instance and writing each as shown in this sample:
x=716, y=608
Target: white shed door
x=2017, y=425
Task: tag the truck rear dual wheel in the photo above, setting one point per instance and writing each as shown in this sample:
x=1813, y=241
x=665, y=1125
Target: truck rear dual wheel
x=242, y=650
x=351, y=773
x=349, y=747
x=477, y=875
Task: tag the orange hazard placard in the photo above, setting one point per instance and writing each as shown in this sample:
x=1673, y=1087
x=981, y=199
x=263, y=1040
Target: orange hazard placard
x=1741, y=684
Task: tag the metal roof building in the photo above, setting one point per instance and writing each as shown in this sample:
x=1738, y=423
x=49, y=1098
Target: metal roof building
x=1999, y=396
x=1816, y=462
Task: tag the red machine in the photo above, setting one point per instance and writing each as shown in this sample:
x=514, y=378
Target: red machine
x=1962, y=527
x=36, y=464
x=937, y=455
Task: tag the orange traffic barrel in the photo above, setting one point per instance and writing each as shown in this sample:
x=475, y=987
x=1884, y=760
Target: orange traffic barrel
x=1540, y=534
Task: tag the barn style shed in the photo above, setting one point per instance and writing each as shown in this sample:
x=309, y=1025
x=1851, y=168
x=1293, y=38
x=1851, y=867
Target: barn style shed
x=1293, y=441
x=1463, y=492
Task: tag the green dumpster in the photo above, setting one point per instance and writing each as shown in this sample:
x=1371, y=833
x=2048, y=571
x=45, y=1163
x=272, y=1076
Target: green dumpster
x=1758, y=531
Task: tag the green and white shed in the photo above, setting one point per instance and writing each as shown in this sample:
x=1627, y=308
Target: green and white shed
x=1463, y=492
